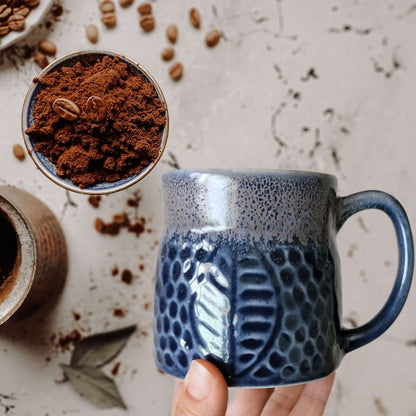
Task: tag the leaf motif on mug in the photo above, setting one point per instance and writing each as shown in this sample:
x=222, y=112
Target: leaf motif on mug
x=211, y=310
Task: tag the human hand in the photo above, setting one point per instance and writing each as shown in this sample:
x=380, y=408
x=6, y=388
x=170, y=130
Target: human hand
x=204, y=392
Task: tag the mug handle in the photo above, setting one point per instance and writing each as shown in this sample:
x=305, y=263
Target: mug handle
x=347, y=206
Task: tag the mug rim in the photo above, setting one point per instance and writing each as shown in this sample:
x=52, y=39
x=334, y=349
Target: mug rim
x=249, y=172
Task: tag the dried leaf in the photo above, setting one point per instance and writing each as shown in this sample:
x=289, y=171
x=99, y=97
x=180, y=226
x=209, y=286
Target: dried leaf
x=97, y=350
x=95, y=386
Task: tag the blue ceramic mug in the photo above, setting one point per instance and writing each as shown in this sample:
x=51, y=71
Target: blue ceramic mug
x=248, y=274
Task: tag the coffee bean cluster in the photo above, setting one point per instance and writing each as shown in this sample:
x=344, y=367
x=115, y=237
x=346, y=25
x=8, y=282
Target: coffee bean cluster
x=108, y=13
x=147, y=22
x=168, y=53
x=13, y=15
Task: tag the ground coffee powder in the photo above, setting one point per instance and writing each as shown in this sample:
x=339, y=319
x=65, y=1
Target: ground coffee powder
x=116, y=132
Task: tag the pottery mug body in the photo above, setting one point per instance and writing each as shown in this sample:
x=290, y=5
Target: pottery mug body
x=33, y=255
x=248, y=274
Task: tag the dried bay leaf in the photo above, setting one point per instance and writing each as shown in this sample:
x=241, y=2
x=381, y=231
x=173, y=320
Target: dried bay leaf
x=95, y=386
x=97, y=350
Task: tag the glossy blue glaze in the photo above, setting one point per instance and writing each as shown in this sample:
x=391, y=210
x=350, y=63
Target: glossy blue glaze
x=248, y=275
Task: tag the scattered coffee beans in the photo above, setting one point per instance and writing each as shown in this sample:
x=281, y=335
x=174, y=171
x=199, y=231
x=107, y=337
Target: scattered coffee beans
x=109, y=19
x=41, y=59
x=147, y=22
x=212, y=38
x=168, y=54
x=47, y=47
x=172, y=33
x=107, y=6
x=92, y=33
x=145, y=8
x=19, y=152
x=195, y=18
x=176, y=71
x=66, y=109
x=125, y=3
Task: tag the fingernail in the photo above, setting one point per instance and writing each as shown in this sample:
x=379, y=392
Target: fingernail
x=198, y=381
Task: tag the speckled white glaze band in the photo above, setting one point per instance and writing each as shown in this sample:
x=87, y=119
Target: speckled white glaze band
x=260, y=204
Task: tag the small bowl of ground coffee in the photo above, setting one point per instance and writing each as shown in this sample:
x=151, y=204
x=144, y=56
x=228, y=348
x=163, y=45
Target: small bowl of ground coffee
x=95, y=122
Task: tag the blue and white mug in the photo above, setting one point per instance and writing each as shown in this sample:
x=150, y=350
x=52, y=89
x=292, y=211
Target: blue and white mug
x=248, y=274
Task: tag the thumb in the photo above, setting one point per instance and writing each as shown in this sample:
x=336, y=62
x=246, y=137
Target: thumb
x=205, y=391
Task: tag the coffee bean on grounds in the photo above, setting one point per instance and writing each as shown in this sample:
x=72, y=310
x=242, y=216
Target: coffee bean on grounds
x=89, y=152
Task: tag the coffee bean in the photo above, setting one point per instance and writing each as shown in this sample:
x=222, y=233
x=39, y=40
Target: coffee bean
x=176, y=71
x=4, y=29
x=147, y=22
x=109, y=19
x=41, y=60
x=172, y=33
x=92, y=33
x=5, y=11
x=125, y=3
x=145, y=8
x=107, y=6
x=47, y=47
x=16, y=22
x=195, y=18
x=32, y=3
x=19, y=152
x=66, y=109
x=168, y=54
x=212, y=38
x=23, y=10
x=96, y=109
